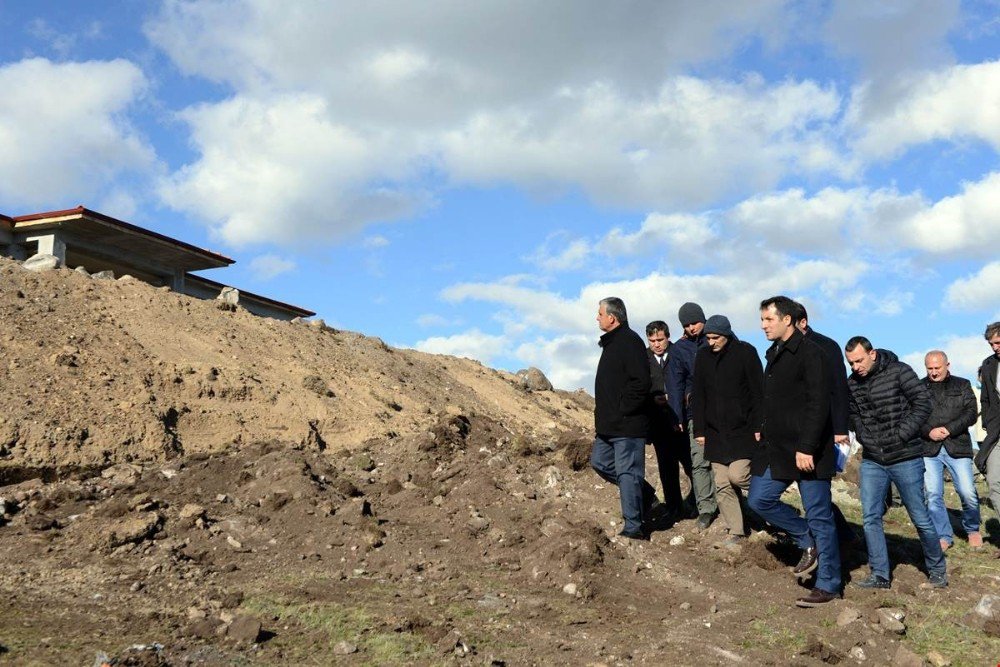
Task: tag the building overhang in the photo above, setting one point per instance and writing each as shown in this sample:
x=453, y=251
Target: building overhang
x=295, y=311
x=129, y=239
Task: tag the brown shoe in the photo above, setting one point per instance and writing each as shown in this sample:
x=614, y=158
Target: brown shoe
x=976, y=540
x=945, y=545
x=816, y=597
x=807, y=563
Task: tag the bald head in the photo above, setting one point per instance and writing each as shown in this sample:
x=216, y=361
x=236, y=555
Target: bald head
x=936, y=363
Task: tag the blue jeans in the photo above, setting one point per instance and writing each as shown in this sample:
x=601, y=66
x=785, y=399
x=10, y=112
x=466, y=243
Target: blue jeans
x=908, y=476
x=961, y=475
x=817, y=529
x=622, y=462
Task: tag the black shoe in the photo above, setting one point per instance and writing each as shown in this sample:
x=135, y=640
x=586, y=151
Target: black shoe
x=705, y=520
x=816, y=597
x=873, y=581
x=807, y=563
x=640, y=536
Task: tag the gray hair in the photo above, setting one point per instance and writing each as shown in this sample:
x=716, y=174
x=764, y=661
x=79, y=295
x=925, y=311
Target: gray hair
x=616, y=308
x=936, y=353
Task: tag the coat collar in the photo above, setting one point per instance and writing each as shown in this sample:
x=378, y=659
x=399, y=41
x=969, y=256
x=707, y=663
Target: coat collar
x=792, y=345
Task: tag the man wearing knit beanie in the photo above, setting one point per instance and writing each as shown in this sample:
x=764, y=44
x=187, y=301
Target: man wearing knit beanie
x=680, y=385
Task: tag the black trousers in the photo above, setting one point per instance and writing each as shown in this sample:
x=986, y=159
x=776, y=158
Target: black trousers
x=672, y=449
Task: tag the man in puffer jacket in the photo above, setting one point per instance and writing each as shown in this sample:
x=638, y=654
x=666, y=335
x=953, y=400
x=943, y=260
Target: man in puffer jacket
x=888, y=408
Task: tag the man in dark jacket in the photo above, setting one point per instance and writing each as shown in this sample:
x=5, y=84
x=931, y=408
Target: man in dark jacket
x=668, y=439
x=988, y=458
x=797, y=446
x=947, y=444
x=840, y=398
x=621, y=415
x=889, y=406
x=727, y=403
x=680, y=384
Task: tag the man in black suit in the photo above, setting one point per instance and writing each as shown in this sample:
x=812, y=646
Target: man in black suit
x=668, y=439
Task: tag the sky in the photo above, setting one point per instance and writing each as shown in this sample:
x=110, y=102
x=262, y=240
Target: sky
x=471, y=178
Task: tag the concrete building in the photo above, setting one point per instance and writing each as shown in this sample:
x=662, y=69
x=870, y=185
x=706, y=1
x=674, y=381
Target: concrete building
x=97, y=242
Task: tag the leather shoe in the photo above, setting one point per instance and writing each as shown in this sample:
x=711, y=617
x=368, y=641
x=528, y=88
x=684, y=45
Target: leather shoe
x=640, y=536
x=816, y=597
x=705, y=520
x=807, y=563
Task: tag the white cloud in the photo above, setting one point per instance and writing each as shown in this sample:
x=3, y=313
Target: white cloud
x=572, y=256
x=473, y=344
x=953, y=104
x=568, y=361
x=967, y=223
x=429, y=320
x=977, y=292
x=63, y=131
x=680, y=232
x=266, y=267
x=281, y=171
x=374, y=242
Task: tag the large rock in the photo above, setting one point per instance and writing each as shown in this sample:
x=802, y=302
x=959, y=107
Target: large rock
x=533, y=379
x=131, y=530
x=244, y=630
x=229, y=296
x=41, y=262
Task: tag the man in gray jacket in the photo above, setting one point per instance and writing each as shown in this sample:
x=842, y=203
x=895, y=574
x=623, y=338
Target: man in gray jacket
x=889, y=406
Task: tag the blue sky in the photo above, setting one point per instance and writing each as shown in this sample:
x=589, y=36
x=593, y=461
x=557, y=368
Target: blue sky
x=471, y=178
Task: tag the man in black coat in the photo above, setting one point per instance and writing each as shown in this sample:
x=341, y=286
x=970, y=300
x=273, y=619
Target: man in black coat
x=621, y=415
x=988, y=458
x=840, y=398
x=667, y=437
x=947, y=444
x=797, y=446
x=889, y=406
x=727, y=404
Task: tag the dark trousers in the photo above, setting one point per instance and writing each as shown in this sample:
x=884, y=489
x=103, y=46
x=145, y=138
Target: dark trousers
x=672, y=450
x=622, y=462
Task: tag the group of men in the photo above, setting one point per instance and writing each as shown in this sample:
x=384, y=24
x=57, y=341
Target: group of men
x=743, y=432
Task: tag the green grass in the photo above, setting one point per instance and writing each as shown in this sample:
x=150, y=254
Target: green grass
x=336, y=622
x=940, y=629
x=762, y=635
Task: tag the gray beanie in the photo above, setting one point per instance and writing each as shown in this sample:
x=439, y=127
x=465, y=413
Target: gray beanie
x=690, y=313
x=718, y=324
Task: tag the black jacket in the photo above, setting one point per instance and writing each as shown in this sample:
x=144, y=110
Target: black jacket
x=990, y=402
x=621, y=388
x=955, y=409
x=796, y=411
x=840, y=395
x=728, y=401
x=888, y=408
x=680, y=374
x=663, y=419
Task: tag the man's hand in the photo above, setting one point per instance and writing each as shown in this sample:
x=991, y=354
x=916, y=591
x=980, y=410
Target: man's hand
x=679, y=428
x=757, y=436
x=660, y=399
x=841, y=439
x=700, y=441
x=804, y=462
x=940, y=433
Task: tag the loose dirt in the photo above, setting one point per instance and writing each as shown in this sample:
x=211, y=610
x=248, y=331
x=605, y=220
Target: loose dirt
x=188, y=485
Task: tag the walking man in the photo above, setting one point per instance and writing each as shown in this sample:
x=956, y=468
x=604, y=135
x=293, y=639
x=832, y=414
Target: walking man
x=797, y=446
x=621, y=418
x=727, y=404
x=988, y=458
x=947, y=444
x=666, y=435
x=889, y=406
x=680, y=384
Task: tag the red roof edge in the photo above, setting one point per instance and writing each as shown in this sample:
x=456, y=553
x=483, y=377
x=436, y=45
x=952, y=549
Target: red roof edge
x=302, y=312
x=80, y=210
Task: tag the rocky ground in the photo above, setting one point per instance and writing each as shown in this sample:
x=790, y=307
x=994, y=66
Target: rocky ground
x=187, y=485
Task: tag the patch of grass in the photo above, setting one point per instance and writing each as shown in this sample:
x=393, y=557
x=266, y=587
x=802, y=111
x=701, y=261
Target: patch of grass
x=940, y=629
x=342, y=623
x=762, y=635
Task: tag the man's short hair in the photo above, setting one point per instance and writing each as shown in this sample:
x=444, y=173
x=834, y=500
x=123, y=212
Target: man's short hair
x=992, y=330
x=858, y=340
x=657, y=325
x=800, y=313
x=782, y=304
x=616, y=308
x=937, y=353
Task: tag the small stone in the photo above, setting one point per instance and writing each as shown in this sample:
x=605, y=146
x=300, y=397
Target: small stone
x=438, y=501
x=233, y=542
x=938, y=660
x=858, y=654
x=686, y=606
x=892, y=620
x=988, y=606
x=244, y=629
x=906, y=658
x=847, y=616
x=344, y=648
x=103, y=275
x=136, y=587
x=569, y=589
x=677, y=540
x=192, y=511
x=196, y=614
x=222, y=498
